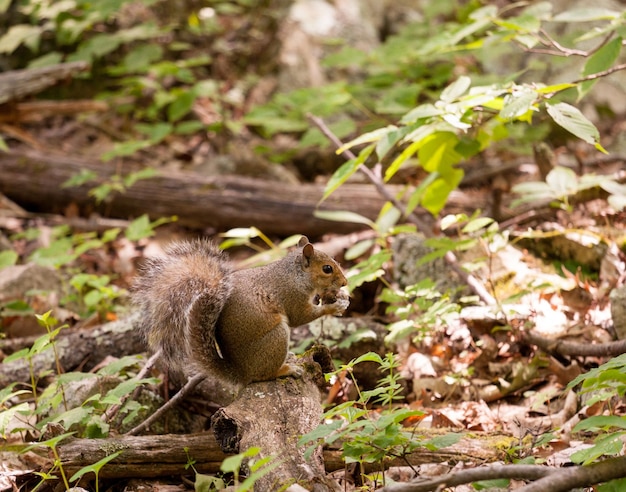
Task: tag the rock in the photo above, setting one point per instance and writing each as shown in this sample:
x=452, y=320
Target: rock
x=39, y=284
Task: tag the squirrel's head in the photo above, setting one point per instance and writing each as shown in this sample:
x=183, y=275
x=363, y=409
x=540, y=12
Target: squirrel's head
x=325, y=273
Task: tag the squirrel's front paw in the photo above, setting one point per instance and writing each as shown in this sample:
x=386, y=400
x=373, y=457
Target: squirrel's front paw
x=337, y=302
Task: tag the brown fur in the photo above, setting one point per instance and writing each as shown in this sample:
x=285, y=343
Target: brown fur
x=192, y=303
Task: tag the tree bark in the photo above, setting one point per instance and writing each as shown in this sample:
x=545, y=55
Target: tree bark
x=272, y=415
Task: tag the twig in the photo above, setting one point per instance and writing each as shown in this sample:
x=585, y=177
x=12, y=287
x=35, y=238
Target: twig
x=112, y=411
x=603, y=73
x=566, y=51
x=560, y=50
x=449, y=257
x=184, y=391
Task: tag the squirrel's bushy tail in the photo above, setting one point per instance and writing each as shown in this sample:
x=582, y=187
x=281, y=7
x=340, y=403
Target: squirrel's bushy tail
x=181, y=295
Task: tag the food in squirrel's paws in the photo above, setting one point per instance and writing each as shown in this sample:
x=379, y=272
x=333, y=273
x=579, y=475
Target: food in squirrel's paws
x=329, y=297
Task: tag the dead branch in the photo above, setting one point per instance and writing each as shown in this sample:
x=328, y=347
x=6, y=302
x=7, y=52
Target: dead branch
x=566, y=347
x=18, y=84
x=565, y=479
x=491, y=472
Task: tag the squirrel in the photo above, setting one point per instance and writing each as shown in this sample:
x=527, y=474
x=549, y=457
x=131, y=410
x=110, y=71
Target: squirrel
x=234, y=325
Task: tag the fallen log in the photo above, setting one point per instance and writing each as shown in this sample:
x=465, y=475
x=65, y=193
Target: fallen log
x=17, y=84
x=34, y=180
x=76, y=348
x=165, y=455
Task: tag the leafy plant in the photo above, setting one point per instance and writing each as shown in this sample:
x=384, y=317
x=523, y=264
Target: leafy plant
x=115, y=184
x=52, y=444
x=419, y=308
x=235, y=466
x=367, y=436
x=439, y=125
x=562, y=183
x=602, y=383
x=43, y=343
x=95, y=468
x=70, y=24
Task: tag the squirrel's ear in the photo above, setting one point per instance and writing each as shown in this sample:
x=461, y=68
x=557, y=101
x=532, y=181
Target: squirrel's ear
x=307, y=253
x=303, y=240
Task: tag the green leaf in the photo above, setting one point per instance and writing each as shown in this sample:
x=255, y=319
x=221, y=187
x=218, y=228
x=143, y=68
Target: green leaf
x=95, y=468
x=181, y=105
x=388, y=141
x=570, y=118
x=401, y=159
x=456, y=89
x=369, y=137
x=20, y=34
x=346, y=170
x=49, y=59
x=188, y=127
x=437, y=152
x=321, y=432
x=368, y=357
x=494, y=484
x=599, y=61
x=8, y=258
x=477, y=224
x=586, y=14
x=122, y=149
x=368, y=270
x=155, y=131
x=20, y=354
x=207, y=483
x=7, y=416
x=518, y=104
x=232, y=464
x=420, y=112
x=609, y=445
x=436, y=195
x=563, y=181
x=80, y=178
x=618, y=485
x=139, y=228
x=78, y=415
x=344, y=216
x=96, y=47
x=604, y=422
x=146, y=173
x=141, y=57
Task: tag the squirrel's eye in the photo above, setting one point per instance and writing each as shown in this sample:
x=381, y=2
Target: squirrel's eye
x=328, y=269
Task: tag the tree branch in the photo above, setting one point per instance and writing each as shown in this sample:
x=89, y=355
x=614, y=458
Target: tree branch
x=566, y=347
x=491, y=472
x=565, y=479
